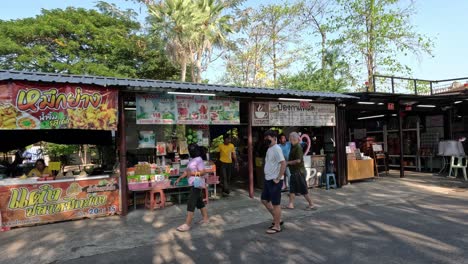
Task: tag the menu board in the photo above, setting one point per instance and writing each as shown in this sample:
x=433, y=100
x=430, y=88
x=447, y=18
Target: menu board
x=192, y=110
x=293, y=114
x=27, y=204
x=63, y=106
x=186, y=109
x=156, y=109
x=224, y=112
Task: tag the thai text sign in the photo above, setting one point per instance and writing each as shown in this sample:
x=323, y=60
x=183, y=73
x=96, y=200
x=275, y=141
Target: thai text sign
x=42, y=106
x=185, y=109
x=51, y=202
x=292, y=114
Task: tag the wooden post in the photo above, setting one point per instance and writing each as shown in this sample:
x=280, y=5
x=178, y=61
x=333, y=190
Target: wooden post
x=250, y=151
x=123, y=156
x=340, y=150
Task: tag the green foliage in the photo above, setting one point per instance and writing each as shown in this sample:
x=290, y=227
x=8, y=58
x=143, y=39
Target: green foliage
x=59, y=152
x=80, y=41
x=335, y=77
x=375, y=32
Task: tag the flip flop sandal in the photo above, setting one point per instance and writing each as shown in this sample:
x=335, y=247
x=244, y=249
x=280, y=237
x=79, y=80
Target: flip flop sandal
x=311, y=208
x=272, y=231
x=203, y=222
x=287, y=208
x=183, y=228
x=273, y=224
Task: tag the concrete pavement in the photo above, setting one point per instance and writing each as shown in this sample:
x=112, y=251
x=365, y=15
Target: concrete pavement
x=389, y=219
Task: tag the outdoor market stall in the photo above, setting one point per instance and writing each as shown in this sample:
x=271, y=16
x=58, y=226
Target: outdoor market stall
x=60, y=113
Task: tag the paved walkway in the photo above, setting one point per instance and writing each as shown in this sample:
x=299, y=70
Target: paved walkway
x=75, y=239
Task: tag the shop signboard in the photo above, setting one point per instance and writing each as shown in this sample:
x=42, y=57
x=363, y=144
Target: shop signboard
x=27, y=204
x=60, y=106
x=293, y=114
x=224, y=112
x=186, y=109
x=156, y=109
x=192, y=110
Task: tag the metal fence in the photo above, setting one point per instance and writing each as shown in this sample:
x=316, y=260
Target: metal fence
x=400, y=85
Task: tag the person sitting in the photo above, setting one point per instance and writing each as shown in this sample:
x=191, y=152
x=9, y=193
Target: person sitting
x=40, y=169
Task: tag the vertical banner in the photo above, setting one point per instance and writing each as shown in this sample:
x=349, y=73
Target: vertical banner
x=62, y=106
x=156, y=109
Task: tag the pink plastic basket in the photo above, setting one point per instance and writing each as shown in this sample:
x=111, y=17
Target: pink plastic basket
x=135, y=186
x=212, y=179
x=161, y=184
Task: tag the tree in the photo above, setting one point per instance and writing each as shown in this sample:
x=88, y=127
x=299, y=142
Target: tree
x=378, y=31
x=80, y=41
x=333, y=78
x=191, y=29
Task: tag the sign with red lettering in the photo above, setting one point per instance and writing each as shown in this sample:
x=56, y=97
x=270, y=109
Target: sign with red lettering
x=61, y=106
x=26, y=204
x=391, y=106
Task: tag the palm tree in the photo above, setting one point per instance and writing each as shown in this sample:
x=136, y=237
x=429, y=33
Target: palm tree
x=191, y=29
x=177, y=21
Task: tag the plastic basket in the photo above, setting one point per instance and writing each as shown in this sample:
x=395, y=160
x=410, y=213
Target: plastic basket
x=182, y=182
x=138, y=186
x=161, y=184
x=212, y=179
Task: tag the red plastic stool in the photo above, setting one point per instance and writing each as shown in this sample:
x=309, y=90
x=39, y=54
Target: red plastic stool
x=152, y=201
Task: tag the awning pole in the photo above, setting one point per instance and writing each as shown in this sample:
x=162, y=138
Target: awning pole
x=250, y=152
x=123, y=155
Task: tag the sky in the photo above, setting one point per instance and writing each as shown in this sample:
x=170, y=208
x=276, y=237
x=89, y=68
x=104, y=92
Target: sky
x=443, y=21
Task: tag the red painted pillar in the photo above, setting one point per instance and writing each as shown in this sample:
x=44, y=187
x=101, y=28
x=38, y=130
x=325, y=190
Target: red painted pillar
x=250, y=152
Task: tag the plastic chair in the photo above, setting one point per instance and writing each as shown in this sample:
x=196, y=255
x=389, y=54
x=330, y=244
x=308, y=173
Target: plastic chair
x=458, y=163
x=152, y=201
x=331, y=177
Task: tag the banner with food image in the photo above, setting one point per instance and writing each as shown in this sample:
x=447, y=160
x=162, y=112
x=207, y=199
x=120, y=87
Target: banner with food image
x=27, y=204
x=224, y=112
x=192, y=110
x=25, y=105
x=156, y=109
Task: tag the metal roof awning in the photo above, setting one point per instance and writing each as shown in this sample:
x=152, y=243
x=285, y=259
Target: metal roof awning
x=144, y=85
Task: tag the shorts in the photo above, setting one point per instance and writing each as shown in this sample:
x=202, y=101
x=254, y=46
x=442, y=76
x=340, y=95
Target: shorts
x=298, y=184
x=195, y=200
x=272, y=192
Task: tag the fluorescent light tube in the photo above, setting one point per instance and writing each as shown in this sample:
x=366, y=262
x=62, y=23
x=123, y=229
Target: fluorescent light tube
x=201, y=94
x=366, y=103
x=457, y=102
x=295, y=99
x=369, y=117
x=130, y=108
x=426, y=106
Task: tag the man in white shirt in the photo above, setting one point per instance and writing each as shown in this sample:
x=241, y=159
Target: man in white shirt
x=275, y=165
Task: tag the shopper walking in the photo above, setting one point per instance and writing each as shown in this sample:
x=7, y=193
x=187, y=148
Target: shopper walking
x=298, y=184
x=275, y=165
x=196, y=167
x=227, y=155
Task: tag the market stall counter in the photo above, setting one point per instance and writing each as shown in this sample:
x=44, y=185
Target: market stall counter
x=30, y=201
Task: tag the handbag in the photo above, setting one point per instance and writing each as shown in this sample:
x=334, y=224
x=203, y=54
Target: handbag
x=198, y=181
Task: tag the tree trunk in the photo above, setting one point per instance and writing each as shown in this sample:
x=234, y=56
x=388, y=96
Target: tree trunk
x=183, y=69
x=198, y=64
x=324, y=42
x=370, y=49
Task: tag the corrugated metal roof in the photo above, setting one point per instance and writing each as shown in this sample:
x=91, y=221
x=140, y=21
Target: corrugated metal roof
x=145, y=85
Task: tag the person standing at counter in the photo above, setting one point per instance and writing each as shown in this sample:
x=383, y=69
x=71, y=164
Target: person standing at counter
x=196, y=166
x=40, y=169
x=298, y=184
x=275, y=165
x=286, y=148
x=227, y=154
